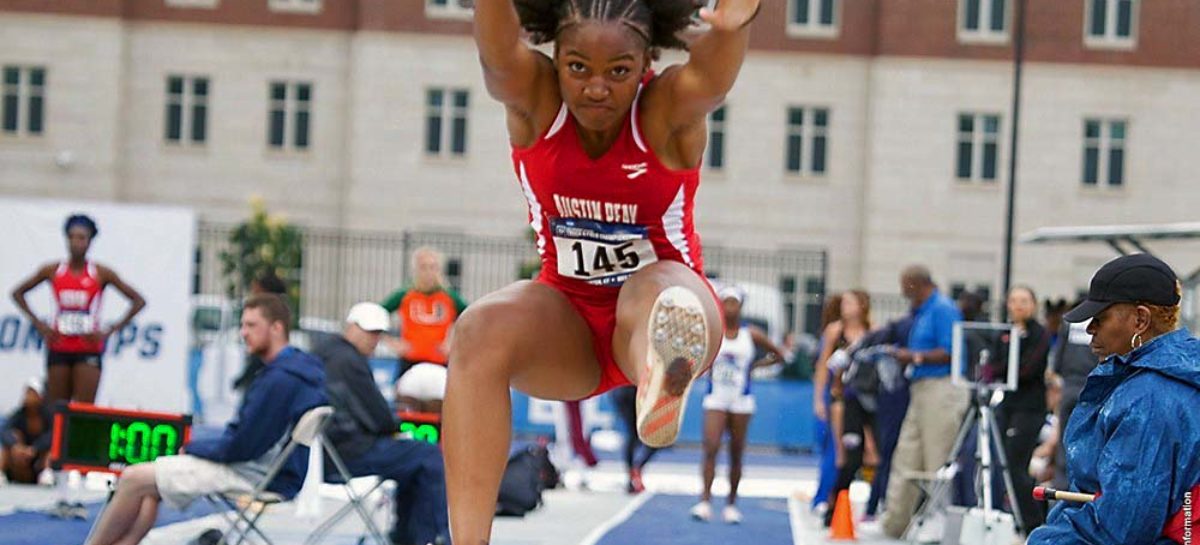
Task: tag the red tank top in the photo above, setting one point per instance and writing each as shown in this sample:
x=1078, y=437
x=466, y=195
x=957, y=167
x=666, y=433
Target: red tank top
x=77, y=298
x=598, y=221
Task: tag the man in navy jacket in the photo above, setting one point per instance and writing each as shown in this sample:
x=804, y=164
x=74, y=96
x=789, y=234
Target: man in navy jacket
x=292, y=383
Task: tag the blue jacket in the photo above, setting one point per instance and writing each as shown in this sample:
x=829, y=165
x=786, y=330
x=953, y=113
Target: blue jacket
x=290, y=385
x=1135, y=438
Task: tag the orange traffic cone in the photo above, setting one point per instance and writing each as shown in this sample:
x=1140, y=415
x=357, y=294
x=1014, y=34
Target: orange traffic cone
x=842, y=528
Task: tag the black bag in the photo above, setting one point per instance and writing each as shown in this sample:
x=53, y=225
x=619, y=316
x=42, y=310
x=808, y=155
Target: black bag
x=528, y=473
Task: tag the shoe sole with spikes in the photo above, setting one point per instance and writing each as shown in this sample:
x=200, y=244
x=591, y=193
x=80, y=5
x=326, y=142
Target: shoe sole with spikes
x=678, y=343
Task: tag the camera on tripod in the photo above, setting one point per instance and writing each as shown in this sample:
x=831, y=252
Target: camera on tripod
x=985, y=356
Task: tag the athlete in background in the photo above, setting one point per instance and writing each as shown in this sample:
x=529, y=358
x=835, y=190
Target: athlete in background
x=75, y=337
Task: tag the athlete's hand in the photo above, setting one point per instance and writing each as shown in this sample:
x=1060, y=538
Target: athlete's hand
x=98, y=336
x=819, y=409
x=49, y=334
x=730, y=14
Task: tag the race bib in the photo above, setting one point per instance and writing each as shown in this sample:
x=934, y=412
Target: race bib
x=75, y=323
x=600, y=253
x=726, y=373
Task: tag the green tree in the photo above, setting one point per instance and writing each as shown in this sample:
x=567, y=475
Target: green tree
x=261, y=244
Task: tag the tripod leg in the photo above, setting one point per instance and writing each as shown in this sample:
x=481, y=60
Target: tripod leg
x=938, y=489
x=1008, y=482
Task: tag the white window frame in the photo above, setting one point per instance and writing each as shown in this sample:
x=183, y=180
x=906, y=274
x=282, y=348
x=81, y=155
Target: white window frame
x=187, y=102
x=447, y=113
x=716, y=126
x=24, y=91
x=1110, y=40
x=814, y=28
x=1104, y=145
x=979, y=137
x=984, y=33
x=292, y=107
x=808, y=131
x=295, y=6
x=452, y=10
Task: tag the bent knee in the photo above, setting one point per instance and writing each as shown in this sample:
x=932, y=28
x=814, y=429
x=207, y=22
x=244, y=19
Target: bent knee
x=481, y=330
x=139, y=478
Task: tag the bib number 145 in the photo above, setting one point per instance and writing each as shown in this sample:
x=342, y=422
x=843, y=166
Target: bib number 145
x=601, y=254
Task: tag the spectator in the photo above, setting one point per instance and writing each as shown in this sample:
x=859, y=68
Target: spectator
x=1021, y=415
x=27, y=435
x=830, y=313
x=363, y=431
x=422, y=389
x=893, y=405
x=625, y=399
x=292, y=383
x=426, y=310
x=1070, y=363
x=268, y=283
x=1132, y=440
x=936, y=406
x=853, y=423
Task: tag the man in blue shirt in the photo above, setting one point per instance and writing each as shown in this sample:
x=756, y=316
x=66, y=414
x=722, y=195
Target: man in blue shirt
x=936, y=407
x=291, y=383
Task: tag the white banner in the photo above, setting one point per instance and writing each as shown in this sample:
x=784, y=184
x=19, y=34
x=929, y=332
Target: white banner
x=151, y=249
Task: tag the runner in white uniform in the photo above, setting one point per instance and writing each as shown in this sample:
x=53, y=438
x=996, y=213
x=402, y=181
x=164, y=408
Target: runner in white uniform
x=729, y=403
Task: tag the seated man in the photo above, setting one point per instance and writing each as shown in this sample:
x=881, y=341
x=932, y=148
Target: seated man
x=26, y=437
x=292, y=383
x=363, y=428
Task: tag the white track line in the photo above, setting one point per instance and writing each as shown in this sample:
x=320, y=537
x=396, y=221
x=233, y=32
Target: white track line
x=795, y=512
x=623, y=515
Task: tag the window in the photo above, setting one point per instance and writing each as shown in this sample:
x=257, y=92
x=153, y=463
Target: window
x=983, y=20
x=1111, y=23
x=812, y=18
x=446, y=121
x=290, y=117
x=716, y=139
x=23, y=107
x=807, y=140
x=1104, y=152
x=303, y=6
x=448, y=9
x=187, y=110
x=978, y=147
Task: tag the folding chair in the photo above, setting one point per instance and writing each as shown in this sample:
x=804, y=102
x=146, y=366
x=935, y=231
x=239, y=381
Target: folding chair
x=356, y=501
x=249, y=507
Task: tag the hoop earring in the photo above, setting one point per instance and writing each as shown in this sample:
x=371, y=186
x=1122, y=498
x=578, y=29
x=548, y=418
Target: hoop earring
x=1136, y=342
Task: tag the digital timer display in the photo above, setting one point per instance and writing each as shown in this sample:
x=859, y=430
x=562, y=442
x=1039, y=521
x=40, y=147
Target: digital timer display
x=421, y=426
x=91, y=438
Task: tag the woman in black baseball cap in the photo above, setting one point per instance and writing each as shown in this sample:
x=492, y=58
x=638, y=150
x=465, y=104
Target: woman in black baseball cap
x=1134, y=438
x=1132, y=299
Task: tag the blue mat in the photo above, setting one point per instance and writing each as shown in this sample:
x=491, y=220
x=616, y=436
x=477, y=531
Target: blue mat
x=664, y=520
x=36, y=528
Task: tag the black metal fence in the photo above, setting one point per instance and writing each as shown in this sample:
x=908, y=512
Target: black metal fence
x=341, y=267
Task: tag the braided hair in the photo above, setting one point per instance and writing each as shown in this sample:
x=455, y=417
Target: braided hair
x=658, y=22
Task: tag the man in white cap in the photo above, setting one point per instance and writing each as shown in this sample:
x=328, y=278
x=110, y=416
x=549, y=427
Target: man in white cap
x=363, y=430
x=26, y=436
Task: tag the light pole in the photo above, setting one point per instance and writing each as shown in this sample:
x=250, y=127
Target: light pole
x=1010, y=201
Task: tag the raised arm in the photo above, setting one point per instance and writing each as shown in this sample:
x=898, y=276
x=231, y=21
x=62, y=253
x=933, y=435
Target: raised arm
x=514, y=74
x=699, y=86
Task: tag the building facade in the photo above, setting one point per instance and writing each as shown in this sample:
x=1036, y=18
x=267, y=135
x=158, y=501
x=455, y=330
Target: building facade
x=877, y=130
